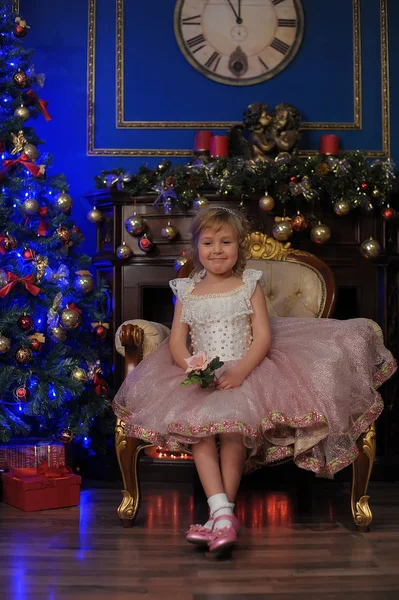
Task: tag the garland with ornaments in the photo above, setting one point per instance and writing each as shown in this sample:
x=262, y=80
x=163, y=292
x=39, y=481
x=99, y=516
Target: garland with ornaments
x=293, y=188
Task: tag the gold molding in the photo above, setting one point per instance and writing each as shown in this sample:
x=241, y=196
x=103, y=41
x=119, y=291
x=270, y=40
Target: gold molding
x=356, y=125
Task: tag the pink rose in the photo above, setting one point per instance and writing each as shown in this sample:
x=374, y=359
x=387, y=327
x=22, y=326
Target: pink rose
x=197, y=362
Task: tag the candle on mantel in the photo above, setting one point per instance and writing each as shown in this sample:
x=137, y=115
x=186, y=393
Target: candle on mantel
x=329, y=144
x=202, y=140
x=219, y=146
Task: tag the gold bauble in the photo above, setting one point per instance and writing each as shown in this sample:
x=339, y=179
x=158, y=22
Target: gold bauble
x=200, y=202
x=66, y=436
x=180, y=262
x=70, y=318
x=31, y=151
x=320, y=233
x=9, y=243
x=124, y=251
x=370, y=248
x=94, y=215
x=23, y=355
x=21, y=112
x=169, y=232
x=266, y=203
x=135, y=225
x=282, y=231
x=341, y=207
x=58, y=333
x=5, y=344
x=84, y=282
x=64, y=234
x=30, y=206
x=64, y=202
x=79, y=375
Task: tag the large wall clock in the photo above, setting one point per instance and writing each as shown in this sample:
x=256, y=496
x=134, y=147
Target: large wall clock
x=239, y=42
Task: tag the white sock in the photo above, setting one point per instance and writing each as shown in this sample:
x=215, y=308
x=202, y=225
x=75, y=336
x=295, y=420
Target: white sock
x=219, y=505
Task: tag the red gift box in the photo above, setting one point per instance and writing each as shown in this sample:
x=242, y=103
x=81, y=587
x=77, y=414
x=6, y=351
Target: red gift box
x=31, y=455
x=41, y=488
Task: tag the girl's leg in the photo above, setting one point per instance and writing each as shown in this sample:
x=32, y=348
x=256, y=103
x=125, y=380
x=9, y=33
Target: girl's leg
x=232, y=459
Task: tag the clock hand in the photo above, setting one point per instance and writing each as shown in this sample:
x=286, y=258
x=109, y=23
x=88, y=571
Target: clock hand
x=238, y=18
x=239, y=10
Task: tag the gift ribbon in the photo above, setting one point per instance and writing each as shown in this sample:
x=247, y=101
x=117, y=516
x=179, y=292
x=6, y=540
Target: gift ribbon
x=42, y=229
x=14, y=279
x=42, y=104
x=23, y=160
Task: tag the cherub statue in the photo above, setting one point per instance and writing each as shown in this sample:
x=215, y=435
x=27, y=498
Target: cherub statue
x=258, y=121
x=285, y=127
x=19, y=141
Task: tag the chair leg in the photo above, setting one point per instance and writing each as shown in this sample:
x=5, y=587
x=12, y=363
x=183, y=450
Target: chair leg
x=127, y=451
x=362, y=468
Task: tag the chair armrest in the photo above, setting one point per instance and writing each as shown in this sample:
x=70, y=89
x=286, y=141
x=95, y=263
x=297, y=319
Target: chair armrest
x=136, y=338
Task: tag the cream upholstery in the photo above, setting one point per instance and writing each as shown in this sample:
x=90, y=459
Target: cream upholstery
x=154, y=334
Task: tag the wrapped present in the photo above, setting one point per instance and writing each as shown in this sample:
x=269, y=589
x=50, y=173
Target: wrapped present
x=30, y=455
x=41, y=488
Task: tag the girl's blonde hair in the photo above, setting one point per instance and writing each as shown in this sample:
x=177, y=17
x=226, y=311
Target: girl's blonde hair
x=215, y=217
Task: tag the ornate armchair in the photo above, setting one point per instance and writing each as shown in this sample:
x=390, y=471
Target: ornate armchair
x=298, y=284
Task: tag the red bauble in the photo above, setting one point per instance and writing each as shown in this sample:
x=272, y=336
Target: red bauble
x=21, y=80
x=28, y=254
x=25, y=323
x=387, y=213
x=36, y=345
x=22, y=393
x=293, y=179
x=145, y=244
x=101, y=332
x=20, y=31
x=364, y=186
x=299, y=222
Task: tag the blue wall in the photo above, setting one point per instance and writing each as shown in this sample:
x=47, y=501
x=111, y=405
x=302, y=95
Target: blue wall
x=160, y=85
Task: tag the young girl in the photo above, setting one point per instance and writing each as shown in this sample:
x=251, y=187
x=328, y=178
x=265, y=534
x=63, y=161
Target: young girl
x=291, y=387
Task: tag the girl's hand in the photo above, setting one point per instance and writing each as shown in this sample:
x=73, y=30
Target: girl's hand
x=231, y=378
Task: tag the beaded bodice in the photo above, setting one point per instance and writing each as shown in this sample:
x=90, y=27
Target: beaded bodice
x=220, y=324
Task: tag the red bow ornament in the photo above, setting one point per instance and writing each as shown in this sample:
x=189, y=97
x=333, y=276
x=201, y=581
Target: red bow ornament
x=41, y=103
x=14, y=279
x=100, y=386
x=23, y=159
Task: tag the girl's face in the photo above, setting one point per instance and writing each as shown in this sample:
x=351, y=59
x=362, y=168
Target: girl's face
x=218, y=250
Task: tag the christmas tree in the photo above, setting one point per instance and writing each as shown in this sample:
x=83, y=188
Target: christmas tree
x=53, y=320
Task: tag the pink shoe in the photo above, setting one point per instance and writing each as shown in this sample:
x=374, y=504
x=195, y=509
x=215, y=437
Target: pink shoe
x=225, y=538
x=199, y=535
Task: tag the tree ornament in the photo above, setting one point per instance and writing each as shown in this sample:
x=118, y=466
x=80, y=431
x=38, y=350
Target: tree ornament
x=145, y=244
x=200, y=202
x=299, y=223
x=21, y=80
x=66, y=436
x=31, y=151
x=101, y=330
x=18, y=141
x=322, y=169
x=364, y=186
x=25, y=323
x=181, y=260
x=320, y=233
x=3, y=278
x=169, y=181
x=124, y=251
x=341, y=207
x=30, y=206
x=70, y=318
x=266, y=203
x=169, y=232
x=8, y=242
x=84, y=282
x=387, y=213
x=163, y=167
x=282, y=229
x=58, y=334
x=23, y=356
x=37, y=341
x=22, y=393
x=79, y=375
x=94, y=215
x=367, y=207
x=293, y=179
x=21, y=28
x=64, y=202
x=28, y=254
x=5, y=344
x=135, y=225
x=22, y=112
x=64, y=234
x=370, y=248
x=376, y=193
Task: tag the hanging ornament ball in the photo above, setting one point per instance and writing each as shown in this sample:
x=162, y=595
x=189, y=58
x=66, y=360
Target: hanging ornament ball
x=20, y=28
x=293, y=179
x=266, y=203
x=370, y=248
x=21, y=80
x=58, y=334
x=9, y=243
x=387, y=213
x=79, y=375
x=30, y=206
x=299, y=222
x=23, y=356
x=320, y=233
x=64, y=234
x=22, y=112
x=124, y=251
x=70, y=318
x=28, y=254
x=22, y=393
x=36, y=345
x=322, y=169
x=66, y=436
x=145, y=244
x=25, y=323
x=5, y=344
x=94, y=215
x=180, y=261
x=364, y=186
x=3, y=278
x=101, y=332
x=31, y=151
x=200, y=202
x=135, y=225
x=84, y=282
x=282, y=231
x=169, y=232
x=64, y=202
x=341, y=207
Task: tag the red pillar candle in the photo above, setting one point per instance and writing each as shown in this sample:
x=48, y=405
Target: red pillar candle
x=219, y=146
x=202, y=141
x=329, y=144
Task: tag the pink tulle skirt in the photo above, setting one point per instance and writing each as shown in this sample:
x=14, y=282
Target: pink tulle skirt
x=310, y=399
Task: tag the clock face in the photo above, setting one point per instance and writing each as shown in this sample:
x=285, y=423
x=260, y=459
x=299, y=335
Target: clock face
x=239, y=42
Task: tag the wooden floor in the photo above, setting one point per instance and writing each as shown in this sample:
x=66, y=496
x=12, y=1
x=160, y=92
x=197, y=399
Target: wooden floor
x=293, y=545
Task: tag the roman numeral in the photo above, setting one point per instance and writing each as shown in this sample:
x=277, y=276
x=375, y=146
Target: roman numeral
x=263, y=63
x=196, y=41
x=275, y=2
x=280, y=46
x=191, y=20
x=215, y=57
x=287, y=22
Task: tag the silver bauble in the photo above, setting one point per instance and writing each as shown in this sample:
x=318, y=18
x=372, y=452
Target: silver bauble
x=266, y=203
x=320, y=233
x=341, y=207
x=84, y=282
x=5, y=344
x=64, y=202
x=70, y=318
x=282, y=231
x=370, y=248
x=30, y=206
x=94, y=215
x=21, y=112
x=124, y=251
x=169, y=232
x=135, y=225
x=31, y=151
